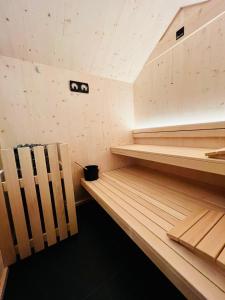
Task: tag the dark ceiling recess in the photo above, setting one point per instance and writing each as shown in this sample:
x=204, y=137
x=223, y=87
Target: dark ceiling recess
x=180, y=33
x=79, y=87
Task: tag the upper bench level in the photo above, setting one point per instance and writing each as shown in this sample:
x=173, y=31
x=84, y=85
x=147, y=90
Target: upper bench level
x=183, y=146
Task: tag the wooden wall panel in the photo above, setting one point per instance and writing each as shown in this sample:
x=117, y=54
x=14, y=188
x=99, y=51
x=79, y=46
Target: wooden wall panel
x=37, y=107
x=191, y=17
x=109, y=38
x=187, y=83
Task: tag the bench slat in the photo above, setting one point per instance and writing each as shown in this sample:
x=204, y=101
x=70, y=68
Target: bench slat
x=193, y=236
x=185, y=225
x=146, y=189
x=143, y=199
x=213, y=243
x=197, y=194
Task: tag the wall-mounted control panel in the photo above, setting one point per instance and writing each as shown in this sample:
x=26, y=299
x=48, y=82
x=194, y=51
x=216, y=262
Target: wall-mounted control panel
x=79, y=87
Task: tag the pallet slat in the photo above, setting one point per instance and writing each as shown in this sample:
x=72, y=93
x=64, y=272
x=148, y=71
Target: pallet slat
x=6, y=241
x=16, y=204
x=69, y=190
x=45, y=194
x=57, y=190
x=31, y=198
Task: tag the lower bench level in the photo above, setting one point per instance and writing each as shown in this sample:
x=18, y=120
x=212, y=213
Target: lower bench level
x=147, y=204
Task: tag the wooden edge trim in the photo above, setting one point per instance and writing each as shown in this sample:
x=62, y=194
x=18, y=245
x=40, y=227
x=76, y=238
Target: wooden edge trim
x=186, y=127
x=3, y=281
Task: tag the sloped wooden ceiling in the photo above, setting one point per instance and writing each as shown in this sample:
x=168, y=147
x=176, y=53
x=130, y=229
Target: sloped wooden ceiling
x=108, y=38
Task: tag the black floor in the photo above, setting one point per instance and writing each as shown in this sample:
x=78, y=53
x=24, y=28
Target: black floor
x=100, y=263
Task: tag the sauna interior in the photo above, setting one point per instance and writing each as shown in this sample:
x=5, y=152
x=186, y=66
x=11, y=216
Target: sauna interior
x=112, y=149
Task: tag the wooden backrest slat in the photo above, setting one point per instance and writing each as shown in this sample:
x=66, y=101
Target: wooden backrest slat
x=45, y=194
x=57, y=190
x=16, y=203
x=31, y=198
x=69, y=189
x=6, y=240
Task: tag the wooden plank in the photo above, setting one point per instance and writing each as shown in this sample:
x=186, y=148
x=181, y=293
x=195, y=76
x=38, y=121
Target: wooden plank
x=16, y=203
x=174, y=209
x=221, y=259
x=162, y=211
x=170, y=193
x=216, y=153
x=162, y=196
x=45, y=194
x=3, y=281
x=137, y=205
x=214, y=242
x=215, y=133
x=21, y=183
x=186, y=127
x=6, y=241
x=186, y=178
x=69, y=189
x=31, y=198
x=200, y=195
x=186, y=224
x=197, y=232
x=57, y=190
x=187, y=157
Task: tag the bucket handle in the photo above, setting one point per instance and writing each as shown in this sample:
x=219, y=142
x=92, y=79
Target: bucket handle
x=80, y=165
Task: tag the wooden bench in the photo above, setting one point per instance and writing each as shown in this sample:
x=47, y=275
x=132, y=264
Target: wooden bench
x=147, y=203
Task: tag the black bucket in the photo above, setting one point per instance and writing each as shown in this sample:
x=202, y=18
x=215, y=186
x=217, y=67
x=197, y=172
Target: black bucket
x=91, y=173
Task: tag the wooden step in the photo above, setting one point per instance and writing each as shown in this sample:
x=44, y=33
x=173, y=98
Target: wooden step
x=192, y=158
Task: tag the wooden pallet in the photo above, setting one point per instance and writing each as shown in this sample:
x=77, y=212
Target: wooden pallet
x=35, y=210
x=203, y=232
